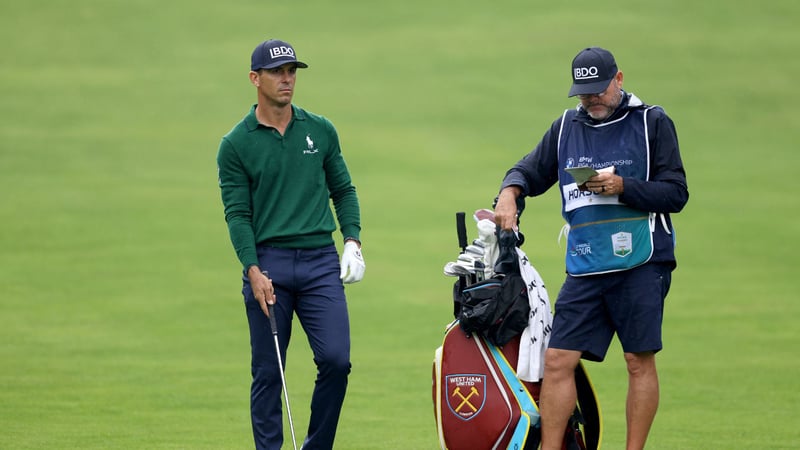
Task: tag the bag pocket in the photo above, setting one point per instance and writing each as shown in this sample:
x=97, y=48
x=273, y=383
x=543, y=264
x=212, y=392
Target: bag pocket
x=478, y=305
x=497, y=308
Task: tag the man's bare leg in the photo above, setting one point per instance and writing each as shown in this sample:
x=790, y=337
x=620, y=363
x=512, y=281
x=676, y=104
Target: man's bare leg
x=558, y=396
x=643, y=395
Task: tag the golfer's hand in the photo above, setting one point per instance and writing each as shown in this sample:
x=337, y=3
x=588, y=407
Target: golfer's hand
x=505, y=212
x=352, y=264
x=262, y=287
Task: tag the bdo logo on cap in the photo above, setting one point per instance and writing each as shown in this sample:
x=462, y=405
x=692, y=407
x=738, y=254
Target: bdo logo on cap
x=281, y=51
x=586, y=73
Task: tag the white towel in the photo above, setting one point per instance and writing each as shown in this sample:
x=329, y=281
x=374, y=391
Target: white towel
x=535, y=337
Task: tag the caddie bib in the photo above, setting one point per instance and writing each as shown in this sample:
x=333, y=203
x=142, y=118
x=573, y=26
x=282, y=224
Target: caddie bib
x=604, y=235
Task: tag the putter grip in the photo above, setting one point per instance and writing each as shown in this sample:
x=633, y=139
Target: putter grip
x=272, y=324
x=461, y=229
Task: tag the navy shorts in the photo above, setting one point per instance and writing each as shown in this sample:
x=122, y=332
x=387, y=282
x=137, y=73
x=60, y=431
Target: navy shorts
x=590, y=309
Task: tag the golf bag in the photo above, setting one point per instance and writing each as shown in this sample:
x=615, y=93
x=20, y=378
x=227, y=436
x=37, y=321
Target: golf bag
x=479, y=401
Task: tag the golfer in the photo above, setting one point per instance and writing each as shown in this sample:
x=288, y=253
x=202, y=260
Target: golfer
x=620, y=241
x=280, y=168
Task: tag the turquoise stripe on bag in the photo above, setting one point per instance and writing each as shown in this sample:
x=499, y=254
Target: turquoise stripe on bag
x=529, y=412
x=520, y=432
x=526, y=402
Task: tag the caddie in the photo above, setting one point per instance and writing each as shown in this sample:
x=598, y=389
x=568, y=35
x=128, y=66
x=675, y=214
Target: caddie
x=620, y=239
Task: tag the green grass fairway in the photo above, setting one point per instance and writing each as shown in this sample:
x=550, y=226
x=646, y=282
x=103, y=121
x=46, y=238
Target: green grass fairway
x=121, y=319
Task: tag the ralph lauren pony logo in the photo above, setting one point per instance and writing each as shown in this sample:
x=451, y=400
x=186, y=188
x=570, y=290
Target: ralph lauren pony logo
x=310, y=150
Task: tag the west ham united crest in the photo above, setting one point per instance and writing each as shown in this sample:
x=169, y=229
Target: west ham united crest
x=466, y=394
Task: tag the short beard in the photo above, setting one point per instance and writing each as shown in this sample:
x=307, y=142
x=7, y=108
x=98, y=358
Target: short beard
x=609, y=110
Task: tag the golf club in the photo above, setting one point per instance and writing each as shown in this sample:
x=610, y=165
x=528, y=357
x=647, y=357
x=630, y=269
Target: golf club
x=274, y=326
x=461, y=231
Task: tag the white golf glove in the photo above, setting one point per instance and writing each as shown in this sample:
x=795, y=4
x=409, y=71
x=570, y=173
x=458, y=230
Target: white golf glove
x=352, y=263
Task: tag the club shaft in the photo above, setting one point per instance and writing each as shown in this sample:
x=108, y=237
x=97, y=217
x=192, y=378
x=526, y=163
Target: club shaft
x=273, y=325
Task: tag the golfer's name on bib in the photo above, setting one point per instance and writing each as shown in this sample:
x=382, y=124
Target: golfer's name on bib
x=575, y=198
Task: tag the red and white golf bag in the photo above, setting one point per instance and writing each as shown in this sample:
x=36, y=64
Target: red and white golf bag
x=479, y=400
x=475, y=404
x=479, y=403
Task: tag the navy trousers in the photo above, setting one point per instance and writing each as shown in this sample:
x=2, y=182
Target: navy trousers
x=306, y=284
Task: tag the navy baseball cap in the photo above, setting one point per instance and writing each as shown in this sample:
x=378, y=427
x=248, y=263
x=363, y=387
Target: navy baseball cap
x=592, y=71
x=273, y=53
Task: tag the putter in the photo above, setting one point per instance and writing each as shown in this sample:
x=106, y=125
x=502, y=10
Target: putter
x=274, y=326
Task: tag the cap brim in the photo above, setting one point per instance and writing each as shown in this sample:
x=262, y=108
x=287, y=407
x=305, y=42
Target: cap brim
x=588, y=88
x=299, y=64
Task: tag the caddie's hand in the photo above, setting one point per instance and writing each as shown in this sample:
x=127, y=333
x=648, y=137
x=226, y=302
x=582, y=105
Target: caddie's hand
x=505, y=211
x=262, y=287
x=606, y=184
x=352, y=263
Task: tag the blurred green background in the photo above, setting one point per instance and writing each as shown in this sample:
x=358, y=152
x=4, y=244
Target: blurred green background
x=121, y=320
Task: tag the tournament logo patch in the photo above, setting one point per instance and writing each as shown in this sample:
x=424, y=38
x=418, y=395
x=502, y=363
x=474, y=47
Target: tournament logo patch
x=466, y=394
x=623, y=244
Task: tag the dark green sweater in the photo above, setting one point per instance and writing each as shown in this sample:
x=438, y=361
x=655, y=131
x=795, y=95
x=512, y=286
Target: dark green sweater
x=277, y=189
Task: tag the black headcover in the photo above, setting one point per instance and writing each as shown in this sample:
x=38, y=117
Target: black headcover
x=496, y=308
